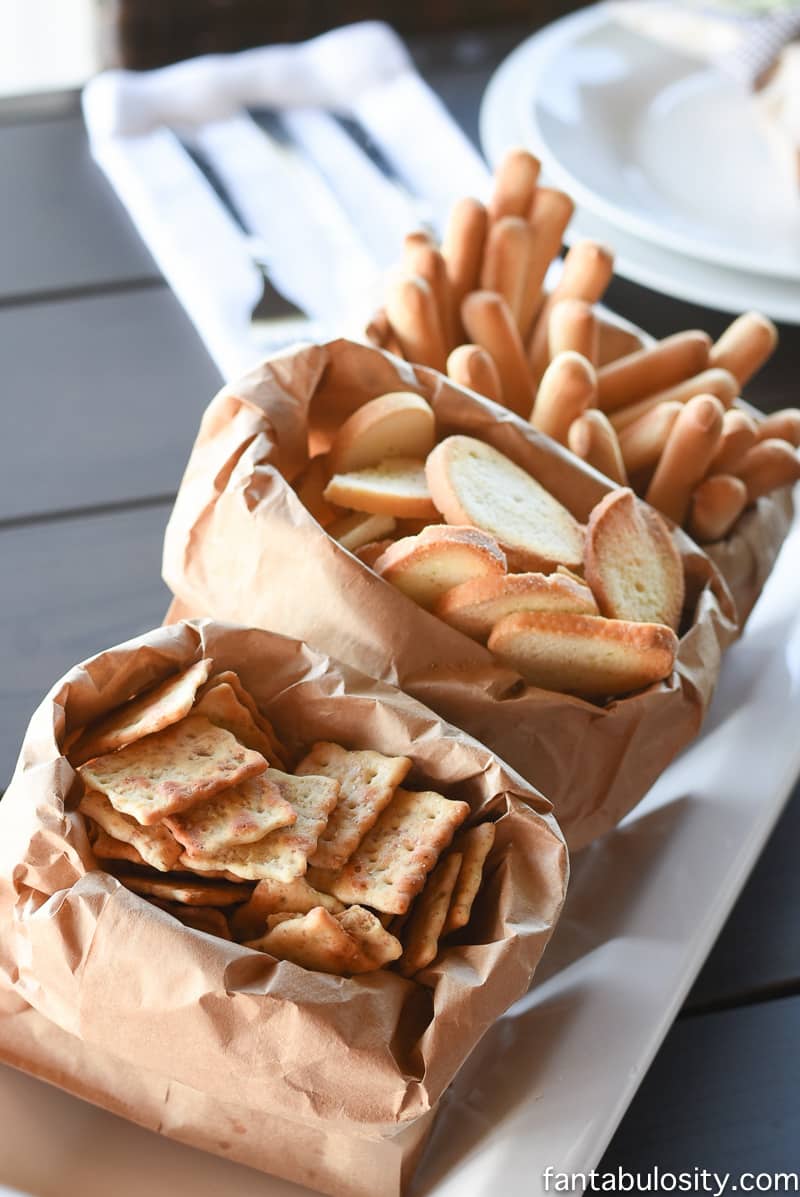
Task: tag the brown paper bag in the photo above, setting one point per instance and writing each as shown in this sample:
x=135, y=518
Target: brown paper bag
x=241, y=546
x=326, y=1081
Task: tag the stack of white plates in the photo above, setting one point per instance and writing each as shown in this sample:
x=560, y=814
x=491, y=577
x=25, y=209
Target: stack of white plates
x=664, y=156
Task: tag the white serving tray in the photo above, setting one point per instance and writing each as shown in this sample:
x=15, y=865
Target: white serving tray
x=552, y=1080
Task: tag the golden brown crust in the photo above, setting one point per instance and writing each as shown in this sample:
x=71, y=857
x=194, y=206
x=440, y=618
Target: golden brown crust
x=476, y=606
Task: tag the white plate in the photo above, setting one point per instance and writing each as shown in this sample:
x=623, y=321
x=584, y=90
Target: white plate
x=551, y=1081
x=664, y=146
x=505, y=121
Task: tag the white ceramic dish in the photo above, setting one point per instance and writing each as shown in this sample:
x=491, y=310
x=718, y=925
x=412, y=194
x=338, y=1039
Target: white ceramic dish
x=510, y=115
x=551, y=1081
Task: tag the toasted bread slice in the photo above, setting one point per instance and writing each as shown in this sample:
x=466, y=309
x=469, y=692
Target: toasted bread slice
x=426, y=566
x=584, y=654
x=399, y=424
x=472, y=483
x=396, y=487
x=369, y=553
x=476, y=606
x=358, y=528
x=632, y=564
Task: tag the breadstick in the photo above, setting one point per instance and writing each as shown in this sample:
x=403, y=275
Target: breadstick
x=651, y=370
x=573, y=325
x=514, y=185
x=745, y=346
x=615, y=342
x=568, y=387
x=419, y=239
x=719, y=383
x=462, y=249
x=473, y=368
x=686, y=457
x=426, y=262
x=551, y=213
x=588, y=267
x=489, y=323
x=781, y=425
x=592, y=438
x=412, y=312
x=716, y=506
x=642, y=442
x=379, y=332
x=767, y=466
x=505, y=261
x=739, y=433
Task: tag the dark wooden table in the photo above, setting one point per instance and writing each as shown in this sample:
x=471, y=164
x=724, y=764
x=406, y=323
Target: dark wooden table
x=104, y=383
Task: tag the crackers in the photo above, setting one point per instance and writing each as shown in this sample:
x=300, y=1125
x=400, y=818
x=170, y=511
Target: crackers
x=152, y=845
x=172, y=770
x=242, y=814
x=428, y=917
x=367, y=783
x=389, y=867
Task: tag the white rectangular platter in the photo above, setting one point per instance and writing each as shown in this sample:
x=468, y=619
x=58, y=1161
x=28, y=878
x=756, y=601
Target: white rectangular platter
x=551, y=1081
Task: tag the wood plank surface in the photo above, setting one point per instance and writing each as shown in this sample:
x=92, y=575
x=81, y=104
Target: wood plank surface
x=103, y=397
x=71, y=588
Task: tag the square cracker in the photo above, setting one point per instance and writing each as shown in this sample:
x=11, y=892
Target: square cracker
x=107, y=848
x=279, y=897
x=474, y=844
x=281, y=855
x=221, y=706
x=199, y=918
x=153, y=845
x=226, y=676
x=368, y=781
x=314, y=940
x=422, y=932
x=243, y=814
x=390, y=865
x=144, y=715
x=186, y=891
x=377, y=946
x=172, y=770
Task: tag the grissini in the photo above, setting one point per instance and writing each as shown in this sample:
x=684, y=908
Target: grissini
x=489, y=323
x=767, y=466
x=745, y=346
x=505, y=261
x=425, y=261
x=687, y=455
x=379, y=332
x=643, y=441
x=573, y=325
x=781, y=425
x=473, y=368
x=568, y=387
x=587, y=271
x=739, y=433
x=615, y=342
x=462, y=248
x=414, y=317
x=514, y=185
x=717, y=382
x=551, y=213
x=716, y=506
x=650, y=370
x=592, y=438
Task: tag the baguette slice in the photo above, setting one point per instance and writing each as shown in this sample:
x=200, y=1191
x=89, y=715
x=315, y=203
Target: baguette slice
x=584, y=654
x=426, y=566
x=476, y=606
x=396, y=487
x=632, y=564
x=472, y=483
x=399, y=424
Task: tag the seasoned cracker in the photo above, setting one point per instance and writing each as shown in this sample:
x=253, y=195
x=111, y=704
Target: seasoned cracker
x=221, y=707
x=186, y=892
x=153, y=845
x=144, y=715
x=107, y=848
x=277, y=754
x=172, y=770
x=314, y=940
x=200, y=918
x=281, y=855
x=277, y=897
x=368, y=781
x=475, y=844
x=390, y=865
x=243, y=814
x=427, y=920
x=376, y=946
